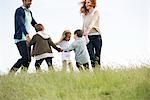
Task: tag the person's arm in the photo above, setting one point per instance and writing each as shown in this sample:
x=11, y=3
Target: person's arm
x=57, y=43
x=51, y=43
x=28, y=38
x=33, y=40
x=20, y=19
x=93, y=21
x=33, y=22
x=71, y=47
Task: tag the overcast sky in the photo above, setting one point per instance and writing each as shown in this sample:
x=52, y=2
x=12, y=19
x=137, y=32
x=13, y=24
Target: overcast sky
x=125, y=27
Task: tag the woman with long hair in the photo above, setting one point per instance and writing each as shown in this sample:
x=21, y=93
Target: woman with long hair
x=91, y=30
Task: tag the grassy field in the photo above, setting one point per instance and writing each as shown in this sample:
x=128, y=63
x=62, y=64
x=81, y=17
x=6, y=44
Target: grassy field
x=127, y=84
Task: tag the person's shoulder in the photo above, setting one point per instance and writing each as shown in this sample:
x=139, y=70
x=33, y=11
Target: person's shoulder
x=19, y=9
x=96, y=11
x=37, y=36
x=34, y=36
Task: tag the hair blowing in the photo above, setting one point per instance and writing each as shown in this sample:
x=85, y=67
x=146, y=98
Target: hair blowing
x=83, y=8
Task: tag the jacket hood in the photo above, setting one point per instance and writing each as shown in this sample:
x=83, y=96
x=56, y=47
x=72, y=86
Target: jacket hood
x=44, y=35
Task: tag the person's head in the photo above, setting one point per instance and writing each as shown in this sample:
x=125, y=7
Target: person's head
x=87, y=5
x=39, y=27
x=78, y=33
x=27, y=3
x=66, y=35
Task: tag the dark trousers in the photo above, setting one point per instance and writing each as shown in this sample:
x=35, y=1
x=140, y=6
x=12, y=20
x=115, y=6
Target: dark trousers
x=39, y=62
x=94, y=49
x=25, y=59
x=79, y=66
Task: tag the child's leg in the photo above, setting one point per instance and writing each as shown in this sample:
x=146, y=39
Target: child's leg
x=86, y=66
x=64, y=65
x=70, y=65
x=49, y=62
x=79, y=66
x=38, y=63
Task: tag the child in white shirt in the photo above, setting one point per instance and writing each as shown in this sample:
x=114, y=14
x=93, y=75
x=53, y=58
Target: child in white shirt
x=64, y=43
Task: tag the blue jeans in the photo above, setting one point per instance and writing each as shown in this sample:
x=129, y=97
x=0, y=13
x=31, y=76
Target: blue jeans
x=94, y=48
x=25, y=59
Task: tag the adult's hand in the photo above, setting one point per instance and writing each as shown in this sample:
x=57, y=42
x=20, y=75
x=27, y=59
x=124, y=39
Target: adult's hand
x=28, y=38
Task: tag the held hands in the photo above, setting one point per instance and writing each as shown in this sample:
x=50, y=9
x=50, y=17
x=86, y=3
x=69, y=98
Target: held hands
x=86, y=39
x=85, y=33
x=61, y=50
x=87, y=30
x=28, y=38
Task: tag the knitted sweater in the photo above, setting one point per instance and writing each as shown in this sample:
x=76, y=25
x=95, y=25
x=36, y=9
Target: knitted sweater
x=91, y=23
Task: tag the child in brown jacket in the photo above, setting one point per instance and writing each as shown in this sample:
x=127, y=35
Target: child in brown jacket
x=42, y=47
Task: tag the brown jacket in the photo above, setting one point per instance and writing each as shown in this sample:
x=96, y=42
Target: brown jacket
x=42, y=45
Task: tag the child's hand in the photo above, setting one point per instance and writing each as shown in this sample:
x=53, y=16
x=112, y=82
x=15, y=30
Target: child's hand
x=61, y=50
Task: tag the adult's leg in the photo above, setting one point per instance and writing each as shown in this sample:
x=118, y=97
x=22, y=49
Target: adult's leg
x=90, y=47
x=97, y=46
x=25, y=56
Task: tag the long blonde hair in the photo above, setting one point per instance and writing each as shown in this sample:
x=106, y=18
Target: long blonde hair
x=64, y=34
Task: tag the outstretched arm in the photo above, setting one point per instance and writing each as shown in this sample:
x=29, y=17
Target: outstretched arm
x=51, y=43
x=71, y=47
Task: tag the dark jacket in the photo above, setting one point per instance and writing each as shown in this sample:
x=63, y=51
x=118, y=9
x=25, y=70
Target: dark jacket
x=42, y=45
x=20, y=23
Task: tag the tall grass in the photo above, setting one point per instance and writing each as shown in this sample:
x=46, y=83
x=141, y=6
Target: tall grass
x=127, y=84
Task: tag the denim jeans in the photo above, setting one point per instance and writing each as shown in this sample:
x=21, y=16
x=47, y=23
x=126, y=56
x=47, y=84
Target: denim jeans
x=25, y=59
x=94, y=48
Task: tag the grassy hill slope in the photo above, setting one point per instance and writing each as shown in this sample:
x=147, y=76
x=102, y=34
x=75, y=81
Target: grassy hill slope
x=127, y=84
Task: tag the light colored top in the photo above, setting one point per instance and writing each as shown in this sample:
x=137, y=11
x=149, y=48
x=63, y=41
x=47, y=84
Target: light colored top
x=64, y=45
x=44, y=55
x=91, y=22
x=80, y=49
x=28, y=20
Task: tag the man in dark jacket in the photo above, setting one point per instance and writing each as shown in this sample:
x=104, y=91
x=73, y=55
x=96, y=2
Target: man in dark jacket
x=23, y=20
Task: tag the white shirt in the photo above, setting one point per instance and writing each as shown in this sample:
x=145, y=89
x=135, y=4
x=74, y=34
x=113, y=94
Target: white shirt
x=65, y=55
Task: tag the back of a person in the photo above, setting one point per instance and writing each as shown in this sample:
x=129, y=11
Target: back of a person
x=80, y=49
x=81, y=54
x=41, y=45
